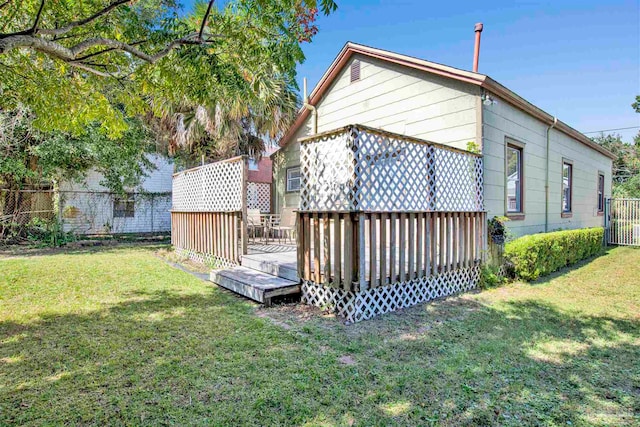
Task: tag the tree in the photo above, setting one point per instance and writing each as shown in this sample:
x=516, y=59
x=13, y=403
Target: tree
x=219, y=129
x=29, y=156
x=636, y=107
x=626, y=166
x=628, y=189
x=627, y=161
x=78, y=77
x=76, y=62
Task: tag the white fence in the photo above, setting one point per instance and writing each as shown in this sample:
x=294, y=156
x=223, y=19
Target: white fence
x=623, y=222
x=216, y=187
x=259, y=196
x=209, y=212
x=357, y=168
x=387, y=221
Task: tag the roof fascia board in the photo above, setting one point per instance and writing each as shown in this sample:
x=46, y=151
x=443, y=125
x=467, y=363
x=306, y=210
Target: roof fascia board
x=524, y=105
x=477, y=79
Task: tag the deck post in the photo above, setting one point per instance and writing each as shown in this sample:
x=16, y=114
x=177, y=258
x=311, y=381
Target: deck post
x=300, y=243
x=348, y=252
x=244, y=239
x=362, y=266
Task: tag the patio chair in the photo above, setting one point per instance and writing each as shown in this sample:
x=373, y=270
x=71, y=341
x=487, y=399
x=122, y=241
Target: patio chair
x=254, y=222
x=287, y=224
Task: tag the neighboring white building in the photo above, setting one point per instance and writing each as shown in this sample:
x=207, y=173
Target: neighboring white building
x=90, y=208
x=539, y=186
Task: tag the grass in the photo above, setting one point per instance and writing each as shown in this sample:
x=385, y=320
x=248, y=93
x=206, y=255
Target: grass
x=117, y=336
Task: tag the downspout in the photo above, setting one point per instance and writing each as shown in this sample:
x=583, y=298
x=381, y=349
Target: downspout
x=546, y=182
x=314, y=111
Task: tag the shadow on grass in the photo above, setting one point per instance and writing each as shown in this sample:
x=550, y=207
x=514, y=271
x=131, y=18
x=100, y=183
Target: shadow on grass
x=18, y=251
x=168, y=358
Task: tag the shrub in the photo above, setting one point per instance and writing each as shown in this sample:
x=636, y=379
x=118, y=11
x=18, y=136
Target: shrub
x=539, y=254
x=490, y=277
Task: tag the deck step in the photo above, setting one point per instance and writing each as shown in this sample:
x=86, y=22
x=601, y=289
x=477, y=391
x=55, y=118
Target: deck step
x=257, y=285
x=274, y=264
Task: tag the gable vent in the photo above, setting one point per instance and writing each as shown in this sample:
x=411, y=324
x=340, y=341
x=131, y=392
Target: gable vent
x=355, y=71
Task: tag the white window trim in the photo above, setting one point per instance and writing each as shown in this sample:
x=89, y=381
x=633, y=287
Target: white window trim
x=289, y=179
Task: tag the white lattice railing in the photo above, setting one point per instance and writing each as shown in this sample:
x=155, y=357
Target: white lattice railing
x=216, y=187
x=259, y=196
x=209, y=210
x=387, y=221
x=357, y=168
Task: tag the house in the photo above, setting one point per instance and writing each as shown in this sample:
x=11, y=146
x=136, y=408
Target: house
x=394, y=166
x=538, y=171
x=88, y=207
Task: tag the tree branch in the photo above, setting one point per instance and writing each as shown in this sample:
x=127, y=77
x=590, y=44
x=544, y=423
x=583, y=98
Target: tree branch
x=75, y=24
x=37, y=20
x=116, y=45
x=5, y=3
x=111, y=49
x=33, y=28
x=56, y=50
x=204, y=19
x=91, y=69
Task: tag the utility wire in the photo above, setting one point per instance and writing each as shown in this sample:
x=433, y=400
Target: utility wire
x=610, y=130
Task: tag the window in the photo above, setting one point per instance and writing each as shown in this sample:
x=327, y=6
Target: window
x=253, y=165
x=567, y=186
x=293, y=179
x=600, y=192
x=355, y=71
x=514, y=179
x=124, y=207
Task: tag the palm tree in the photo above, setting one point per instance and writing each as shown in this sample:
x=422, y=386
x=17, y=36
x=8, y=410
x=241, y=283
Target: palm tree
x=240, y=124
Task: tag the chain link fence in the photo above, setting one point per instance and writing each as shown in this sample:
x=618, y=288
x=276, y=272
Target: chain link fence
x=43, y=214
x=26, y=214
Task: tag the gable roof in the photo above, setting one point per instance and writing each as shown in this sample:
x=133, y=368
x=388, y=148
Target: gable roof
x=477, y=79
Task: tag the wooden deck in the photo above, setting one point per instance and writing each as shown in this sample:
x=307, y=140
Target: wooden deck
x=270, y=268
x=267, y=271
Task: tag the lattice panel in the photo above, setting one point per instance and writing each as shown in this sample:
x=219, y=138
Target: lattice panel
x=503, y=271
x=358, y=306
x=216, y=187
x=363, y=169
x=327, y=173
x=259, y=196
x=458, y=181
x=202, y=258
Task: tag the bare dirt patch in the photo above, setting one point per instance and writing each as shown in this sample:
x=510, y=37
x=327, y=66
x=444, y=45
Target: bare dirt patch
x=347, y=360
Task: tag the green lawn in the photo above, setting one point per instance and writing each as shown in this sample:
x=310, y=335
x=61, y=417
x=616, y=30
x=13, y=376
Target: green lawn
x=120, y=337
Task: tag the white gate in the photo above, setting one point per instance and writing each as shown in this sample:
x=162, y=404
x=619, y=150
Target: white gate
x=623, y=222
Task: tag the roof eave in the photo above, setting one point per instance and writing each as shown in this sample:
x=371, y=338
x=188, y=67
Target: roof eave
x=524, y=105
x=351, y=49
x=477, y=79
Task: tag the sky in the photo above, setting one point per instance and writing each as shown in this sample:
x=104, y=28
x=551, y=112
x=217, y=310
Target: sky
x=578, y=60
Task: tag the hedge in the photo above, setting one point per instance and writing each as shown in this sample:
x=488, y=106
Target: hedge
x=540, y=254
